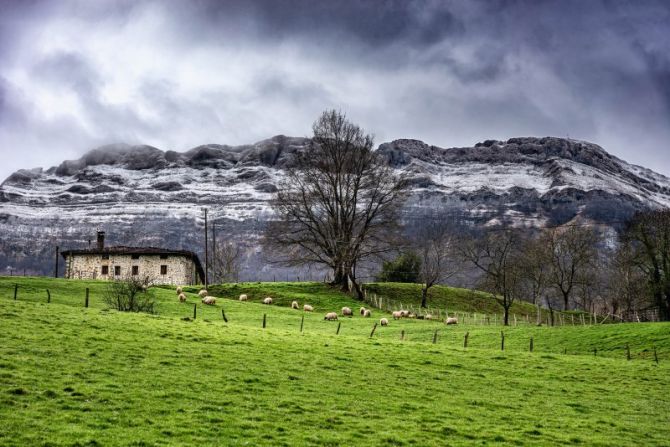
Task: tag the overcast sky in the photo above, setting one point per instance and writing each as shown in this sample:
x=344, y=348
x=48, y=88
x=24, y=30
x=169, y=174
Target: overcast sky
x=176, y=74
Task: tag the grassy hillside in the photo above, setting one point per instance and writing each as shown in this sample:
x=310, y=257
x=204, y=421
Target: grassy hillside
x=76, y=376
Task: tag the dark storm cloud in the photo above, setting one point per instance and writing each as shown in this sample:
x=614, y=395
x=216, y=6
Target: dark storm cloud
x=175, y=74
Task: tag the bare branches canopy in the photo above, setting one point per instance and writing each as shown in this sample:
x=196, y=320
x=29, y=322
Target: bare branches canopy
x=338, y=203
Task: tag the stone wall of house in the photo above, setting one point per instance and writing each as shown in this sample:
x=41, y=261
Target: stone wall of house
x=180, y=269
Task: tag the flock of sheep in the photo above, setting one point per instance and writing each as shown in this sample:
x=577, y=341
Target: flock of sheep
x=330, y=316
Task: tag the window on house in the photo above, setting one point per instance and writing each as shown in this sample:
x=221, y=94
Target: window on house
x=136, y=270
x=105, y=270
x=105, y=256
x=163, y=269
x=134, y=256
x=164, y=256
x=117, y=270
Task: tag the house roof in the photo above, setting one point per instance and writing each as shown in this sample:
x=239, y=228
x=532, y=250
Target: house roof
x=122, y=250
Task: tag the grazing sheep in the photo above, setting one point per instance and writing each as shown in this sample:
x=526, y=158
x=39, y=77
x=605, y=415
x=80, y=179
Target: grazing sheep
x=244, y=297
x=367, y=313
x=294, y=305
x=404, y=313
x=384, y=322
x=362, y=310
x=330, y=316
x=182, y=298
x=428, y=317
x=307, y=308
x=451, y=320
x=179, y=290
x=396, y=315
x=346, y=312
x=267, y=300
x=202, y=293
x=209, y=300
x=411, y=315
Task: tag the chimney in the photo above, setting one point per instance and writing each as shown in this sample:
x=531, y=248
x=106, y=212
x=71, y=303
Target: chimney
x=101, y=240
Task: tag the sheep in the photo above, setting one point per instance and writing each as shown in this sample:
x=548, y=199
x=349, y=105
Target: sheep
x=396, y=315
x=330, y=316
x=244, y=297
x=428, y=317
x=179, y=290
x=294, y=305
x=367, y=313
x=202, y=293
x=362, y=310
x=182, y=298
x=307, y=308
x=411, y=315
x=384, y=322
x=209, y=300
x=267, y=300
x=404, y=313
x=451, y=320
x=346, y=312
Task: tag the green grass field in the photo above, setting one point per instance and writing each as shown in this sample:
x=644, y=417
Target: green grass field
x=71, y=375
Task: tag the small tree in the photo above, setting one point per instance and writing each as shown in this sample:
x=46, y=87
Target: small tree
x=226, y=262
x=130, y=294
x=405, y=268
x=438, y=254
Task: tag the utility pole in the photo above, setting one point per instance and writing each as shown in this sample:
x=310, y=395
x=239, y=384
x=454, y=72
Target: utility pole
x=214, y=261
x=56, y=269
x=206, y=251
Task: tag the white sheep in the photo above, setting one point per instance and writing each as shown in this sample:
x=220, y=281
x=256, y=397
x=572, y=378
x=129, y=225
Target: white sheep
x=182, y=298
x=346, y=312
x=396, y=315
x=451, y=320
x=404, y=313
x=307, y=308
x=362, y=310
x=209, y=300
x=267, y=300
x=202, y=293
x=244, y=297
x=330, y=316
x=384, y=322
x=428, y=317
x=179, y=290
x=294, y=305
x=367, y=313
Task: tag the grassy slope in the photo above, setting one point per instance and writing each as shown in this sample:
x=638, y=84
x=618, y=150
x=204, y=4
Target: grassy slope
x=75, y=376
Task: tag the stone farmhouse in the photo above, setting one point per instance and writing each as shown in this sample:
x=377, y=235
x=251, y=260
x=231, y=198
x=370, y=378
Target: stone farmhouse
x=162, y=266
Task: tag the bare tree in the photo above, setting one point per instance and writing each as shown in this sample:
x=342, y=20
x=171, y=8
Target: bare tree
x=535, y=270
x=436, y=247
x=497, y=255
x=627, y=289
x=337, y=205
x=572, y=251
x=648, y=234
x=226, y=262
x=130, y=294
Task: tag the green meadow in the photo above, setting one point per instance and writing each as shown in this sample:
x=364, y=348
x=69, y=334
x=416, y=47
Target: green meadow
x=77, y=376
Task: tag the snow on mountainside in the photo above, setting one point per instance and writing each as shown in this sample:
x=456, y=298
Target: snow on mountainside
x=142, y=195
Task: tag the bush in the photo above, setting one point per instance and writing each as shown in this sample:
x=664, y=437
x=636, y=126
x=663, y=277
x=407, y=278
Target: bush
x=404, y=268
x=130, y=294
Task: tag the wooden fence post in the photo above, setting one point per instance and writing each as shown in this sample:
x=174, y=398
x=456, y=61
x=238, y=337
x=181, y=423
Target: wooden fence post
x=531, y=344
x=627, y=352
x=502, y=341
x=655, y=355
x=435, y=337
x=373, y=330
x=48, y=296
x=339, y=323
x=16, y=290
x=86, y=303
x=402, y=337
x=264, y=320
x=223, y=314
x=195, y=311
x=302, y=322
x=465, y=340
x=595, y=352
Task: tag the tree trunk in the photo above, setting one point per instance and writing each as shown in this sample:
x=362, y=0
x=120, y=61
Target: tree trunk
x=424, y=297
x=357, y=287
x=566, y=298
x=507, y=316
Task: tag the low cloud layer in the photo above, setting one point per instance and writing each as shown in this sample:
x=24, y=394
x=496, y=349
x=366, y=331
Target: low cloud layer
x=176, y=74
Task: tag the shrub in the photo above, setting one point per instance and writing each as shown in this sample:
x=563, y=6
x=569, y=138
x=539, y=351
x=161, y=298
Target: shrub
x=404, y=268
x=130, y=294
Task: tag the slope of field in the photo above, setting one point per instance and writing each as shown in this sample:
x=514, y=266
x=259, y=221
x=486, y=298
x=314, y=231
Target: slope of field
x=71, y=375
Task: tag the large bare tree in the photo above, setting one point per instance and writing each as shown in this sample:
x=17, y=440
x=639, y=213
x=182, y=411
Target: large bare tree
x=337, y=205
x=226, y=262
